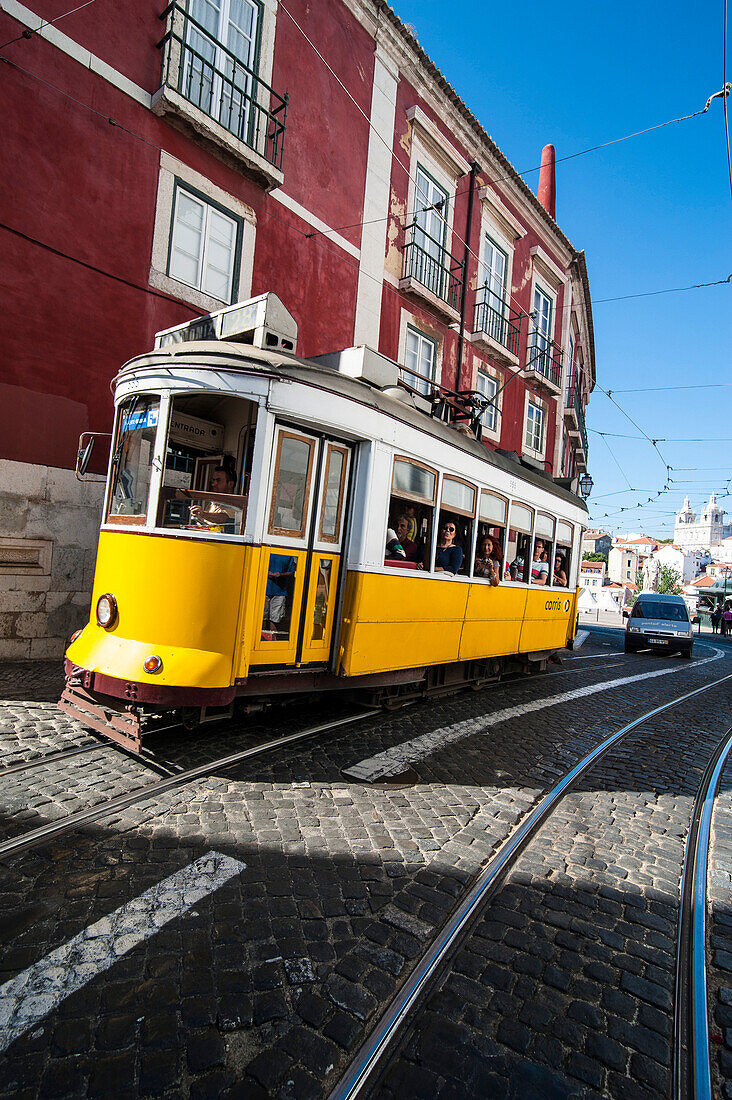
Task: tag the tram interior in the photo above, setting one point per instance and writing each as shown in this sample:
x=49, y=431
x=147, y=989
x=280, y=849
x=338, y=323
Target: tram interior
x=208, y=463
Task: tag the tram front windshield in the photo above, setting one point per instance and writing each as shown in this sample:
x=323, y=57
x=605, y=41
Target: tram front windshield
x=132, y=459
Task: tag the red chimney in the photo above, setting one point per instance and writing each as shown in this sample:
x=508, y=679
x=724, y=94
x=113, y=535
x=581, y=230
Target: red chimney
x=547, y=182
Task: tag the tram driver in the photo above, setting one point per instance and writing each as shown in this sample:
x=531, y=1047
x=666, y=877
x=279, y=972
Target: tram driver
x=223, y=480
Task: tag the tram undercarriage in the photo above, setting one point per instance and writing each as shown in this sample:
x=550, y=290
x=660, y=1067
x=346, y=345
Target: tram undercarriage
x=128, y=722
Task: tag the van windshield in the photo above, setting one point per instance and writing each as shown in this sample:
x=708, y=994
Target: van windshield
x=657, y=609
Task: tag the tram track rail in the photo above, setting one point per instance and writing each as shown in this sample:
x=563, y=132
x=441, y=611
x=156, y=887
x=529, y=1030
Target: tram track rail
x=692, y=1075
x=377, y=1051
x=46, y=758
x=36, y=838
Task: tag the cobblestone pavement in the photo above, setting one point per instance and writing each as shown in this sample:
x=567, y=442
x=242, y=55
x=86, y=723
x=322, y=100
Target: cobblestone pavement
x=263, y=987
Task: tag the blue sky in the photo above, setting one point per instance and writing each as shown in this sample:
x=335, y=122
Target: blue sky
x=651, y=213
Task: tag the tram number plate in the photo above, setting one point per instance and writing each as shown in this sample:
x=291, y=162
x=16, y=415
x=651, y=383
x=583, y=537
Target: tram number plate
x=658, y=641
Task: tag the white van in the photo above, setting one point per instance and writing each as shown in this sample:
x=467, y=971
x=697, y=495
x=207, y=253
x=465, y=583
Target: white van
x=659, y=622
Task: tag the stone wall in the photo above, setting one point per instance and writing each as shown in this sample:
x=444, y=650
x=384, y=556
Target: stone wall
x=49, y=526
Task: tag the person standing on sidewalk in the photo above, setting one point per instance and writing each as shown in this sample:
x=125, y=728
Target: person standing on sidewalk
x=727, y=621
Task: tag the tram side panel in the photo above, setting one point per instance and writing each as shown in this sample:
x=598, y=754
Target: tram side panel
x=394, y=622
x=493, y=621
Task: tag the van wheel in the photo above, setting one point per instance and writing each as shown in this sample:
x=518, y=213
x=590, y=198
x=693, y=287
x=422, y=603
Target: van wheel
x=629, y=648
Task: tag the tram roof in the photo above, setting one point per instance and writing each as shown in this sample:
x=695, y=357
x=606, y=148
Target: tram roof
x=216, y=355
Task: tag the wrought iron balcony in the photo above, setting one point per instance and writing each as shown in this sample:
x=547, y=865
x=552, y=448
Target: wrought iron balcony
x=544, y=358
x=209, y=76
x=496, y=320
x=574, y=402
x=428, y=263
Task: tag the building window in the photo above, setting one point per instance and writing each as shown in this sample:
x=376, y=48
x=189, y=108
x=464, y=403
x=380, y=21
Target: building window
x=493, y=290
x=419, y=359
x=204, y=246
x=424, y=256
x=534, y=427
x=221, y=60
x=488, y=388
x=540, y=351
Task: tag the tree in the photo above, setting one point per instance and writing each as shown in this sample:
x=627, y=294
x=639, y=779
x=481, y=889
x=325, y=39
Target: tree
x=595, y=556
x=669, y=581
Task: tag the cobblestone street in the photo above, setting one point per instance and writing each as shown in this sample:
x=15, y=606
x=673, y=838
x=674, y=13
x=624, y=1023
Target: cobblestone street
x=324, y=891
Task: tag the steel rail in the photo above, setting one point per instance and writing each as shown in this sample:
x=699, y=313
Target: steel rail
x=692, y=1074
x=373, y=1052
x=34, y=838
x=50, y=757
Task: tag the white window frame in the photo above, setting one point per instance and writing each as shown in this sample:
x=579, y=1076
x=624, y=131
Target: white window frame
x=170, y=171
x=490, y=431
x=532, y=401
x=409, y=320
x=434, y=154
x=209, y=215
x=422, y=340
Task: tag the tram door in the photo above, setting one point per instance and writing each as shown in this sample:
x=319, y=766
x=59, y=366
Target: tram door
x=301, y=561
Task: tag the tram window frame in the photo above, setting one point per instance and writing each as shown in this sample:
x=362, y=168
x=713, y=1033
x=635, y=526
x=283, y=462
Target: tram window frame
x=424, y=507
x=489, y=527
x=121, y=519
x=464, y=521
x=331, y=449
x=231, y=508
x=296, y=534
x=523, y=543
x=548, y=545
x=566, y=548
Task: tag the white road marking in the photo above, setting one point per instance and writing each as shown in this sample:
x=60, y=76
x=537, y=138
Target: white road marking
x=580, y=638
x=30, y=996
x=397, y=759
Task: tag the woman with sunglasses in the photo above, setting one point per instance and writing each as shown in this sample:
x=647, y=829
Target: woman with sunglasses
x=449, y=556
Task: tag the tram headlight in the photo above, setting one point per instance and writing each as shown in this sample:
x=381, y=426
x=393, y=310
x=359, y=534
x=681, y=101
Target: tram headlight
x=107, y=611
x=153, y=663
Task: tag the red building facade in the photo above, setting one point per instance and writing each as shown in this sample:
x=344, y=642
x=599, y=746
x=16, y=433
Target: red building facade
x=168, y=161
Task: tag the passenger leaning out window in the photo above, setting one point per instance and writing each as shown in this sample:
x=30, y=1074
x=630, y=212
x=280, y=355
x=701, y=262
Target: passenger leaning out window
x=449, y=556
x=487, y=562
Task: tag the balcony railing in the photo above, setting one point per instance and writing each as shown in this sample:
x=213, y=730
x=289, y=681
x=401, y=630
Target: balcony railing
x=430, y=264
x=575, y=401
x=212, y=78
x=545, y=358
x=499, y=321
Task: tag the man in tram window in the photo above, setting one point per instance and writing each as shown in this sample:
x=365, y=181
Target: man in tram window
x=210, y=513
x=278, y=597
x=539, y=567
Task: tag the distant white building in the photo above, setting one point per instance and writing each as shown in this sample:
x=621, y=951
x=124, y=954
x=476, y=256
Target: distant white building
x=623, y=563
x=707, y=532
x=592, y=576
x=689, y=564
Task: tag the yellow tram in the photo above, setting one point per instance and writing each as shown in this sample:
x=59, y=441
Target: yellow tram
x=247, y=544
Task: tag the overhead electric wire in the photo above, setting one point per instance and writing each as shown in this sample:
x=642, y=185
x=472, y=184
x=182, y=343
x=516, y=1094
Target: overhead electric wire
x=30, y=31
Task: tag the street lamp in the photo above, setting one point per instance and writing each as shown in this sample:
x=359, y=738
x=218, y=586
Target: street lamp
x=585, y=486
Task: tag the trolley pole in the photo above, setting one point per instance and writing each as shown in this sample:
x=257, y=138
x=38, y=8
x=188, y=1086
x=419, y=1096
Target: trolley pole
x=474, y=169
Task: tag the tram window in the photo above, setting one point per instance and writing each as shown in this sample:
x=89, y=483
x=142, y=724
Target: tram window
x=458, y=508
x=291, y=489
x=204, y=486
x=563, y=555
x=322, y=595
x=518, y=546
x=335, y=487
x=277, y=618
x=411, y=514
x=542, y=562
x=132, y=460
x=492, y=525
